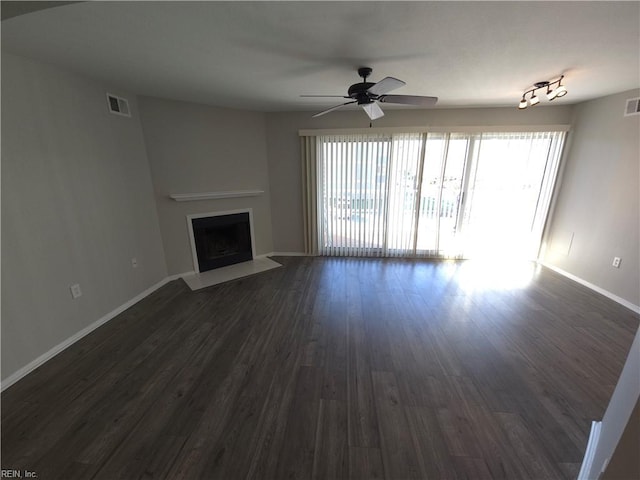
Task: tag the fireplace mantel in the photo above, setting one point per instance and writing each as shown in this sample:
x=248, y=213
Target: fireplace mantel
x=190, y=197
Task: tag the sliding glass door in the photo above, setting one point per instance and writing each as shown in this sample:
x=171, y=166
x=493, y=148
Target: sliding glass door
x=441, y=193
x=435, y=195
x=508, y=194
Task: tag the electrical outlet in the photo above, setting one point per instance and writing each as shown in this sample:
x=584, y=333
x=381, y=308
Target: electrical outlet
x=75, y=291
x=134, y=262
x=616, y=262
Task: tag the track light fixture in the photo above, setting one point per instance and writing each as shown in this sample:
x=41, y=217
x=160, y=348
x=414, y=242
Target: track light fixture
x=552, y=93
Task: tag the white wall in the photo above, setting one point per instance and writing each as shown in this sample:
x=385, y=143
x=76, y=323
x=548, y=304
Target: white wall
x=77, y=205
x=597, y=211
x=196, y=148
x=284, y=149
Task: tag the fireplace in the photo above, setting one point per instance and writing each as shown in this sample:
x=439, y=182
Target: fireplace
x=219, y=240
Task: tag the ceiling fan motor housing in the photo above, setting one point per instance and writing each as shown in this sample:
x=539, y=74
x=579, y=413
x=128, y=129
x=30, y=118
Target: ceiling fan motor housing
x=358, y=91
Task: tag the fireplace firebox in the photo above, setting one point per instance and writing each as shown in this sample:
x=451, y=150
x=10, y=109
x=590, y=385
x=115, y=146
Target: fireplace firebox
x=222, y=240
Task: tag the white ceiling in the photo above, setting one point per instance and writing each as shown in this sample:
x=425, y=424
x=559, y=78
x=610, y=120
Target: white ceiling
x=263, y=55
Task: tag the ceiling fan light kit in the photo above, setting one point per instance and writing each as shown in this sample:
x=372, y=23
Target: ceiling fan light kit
x=368, y=94
x=552, y=93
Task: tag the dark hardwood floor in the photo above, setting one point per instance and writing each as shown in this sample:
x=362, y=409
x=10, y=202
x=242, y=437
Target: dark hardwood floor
x=330, y=368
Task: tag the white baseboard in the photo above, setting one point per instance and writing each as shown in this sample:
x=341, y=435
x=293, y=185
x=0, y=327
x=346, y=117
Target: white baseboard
x=13, y=378
x=593, y=287
x=587, y=462
x=170, y=278
x=289, y=254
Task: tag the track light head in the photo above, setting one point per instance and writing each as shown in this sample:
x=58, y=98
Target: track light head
x=523, y=103
x=561, y=91
x=534, y=100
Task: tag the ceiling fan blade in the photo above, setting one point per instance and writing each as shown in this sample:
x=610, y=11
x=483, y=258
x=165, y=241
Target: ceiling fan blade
x=373, y=110
x=386, y=85
x=324, y=96
x=331, y=109
x=417, y=100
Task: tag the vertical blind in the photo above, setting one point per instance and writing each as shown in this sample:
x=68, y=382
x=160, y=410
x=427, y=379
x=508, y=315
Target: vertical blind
x=428, y=194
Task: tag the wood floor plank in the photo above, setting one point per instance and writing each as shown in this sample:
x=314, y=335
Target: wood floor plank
x=493, y=444
x=538, y=462
x=468, y=468
x=331, y=456
x=570, y=470
x=329, y=368
x=398, y=452
x=296, y=459
x=362, y=419
x=365, y=464
x=433, y=456
x=457, y=432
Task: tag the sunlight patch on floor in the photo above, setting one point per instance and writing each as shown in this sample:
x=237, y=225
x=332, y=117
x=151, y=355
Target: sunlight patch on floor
x=485, y=274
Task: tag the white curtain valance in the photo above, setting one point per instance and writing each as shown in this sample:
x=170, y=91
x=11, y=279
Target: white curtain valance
x=437, y=129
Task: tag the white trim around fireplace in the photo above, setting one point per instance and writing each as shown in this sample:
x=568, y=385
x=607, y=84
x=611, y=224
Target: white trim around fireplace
x=194, y=253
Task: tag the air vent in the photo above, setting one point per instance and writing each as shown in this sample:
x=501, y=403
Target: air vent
x=633, y=107
x=118, y=105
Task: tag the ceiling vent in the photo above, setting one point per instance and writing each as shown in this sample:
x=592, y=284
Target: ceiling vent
x=118, y=105
x=633, y=107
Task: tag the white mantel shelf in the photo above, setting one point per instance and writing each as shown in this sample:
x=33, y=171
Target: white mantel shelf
x=190, y=197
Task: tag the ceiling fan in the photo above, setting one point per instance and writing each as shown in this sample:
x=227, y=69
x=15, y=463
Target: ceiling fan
x=367, y=95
